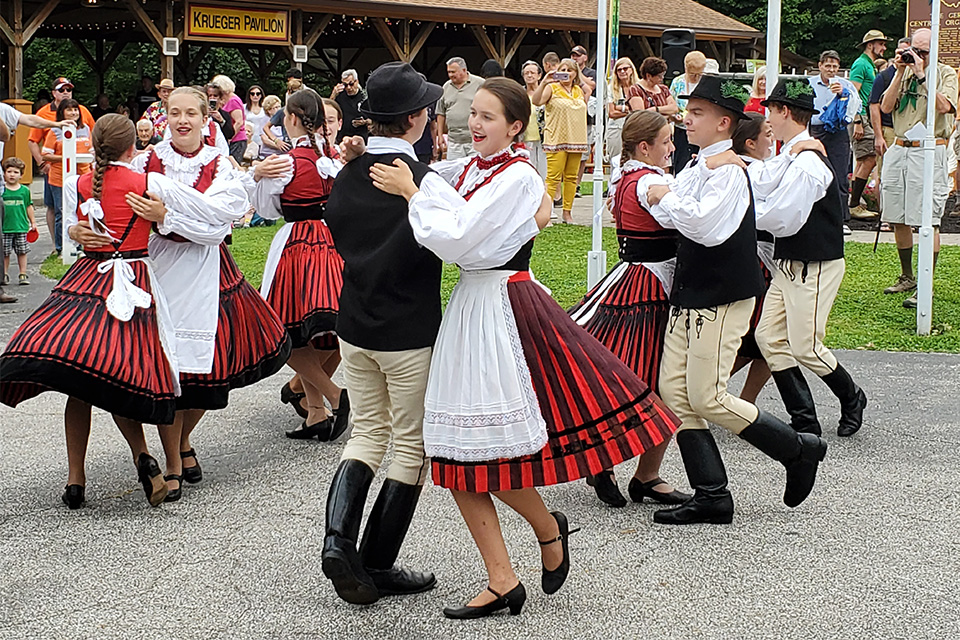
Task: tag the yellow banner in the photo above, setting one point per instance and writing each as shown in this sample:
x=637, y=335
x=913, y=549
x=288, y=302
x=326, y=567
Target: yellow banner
x=221, y=23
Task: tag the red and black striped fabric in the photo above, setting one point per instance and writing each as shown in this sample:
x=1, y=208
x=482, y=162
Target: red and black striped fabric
x=748, y=345
x=251, y=343
x=73, y=345
x=305, y=291
x=631, y=319
x=597, y=411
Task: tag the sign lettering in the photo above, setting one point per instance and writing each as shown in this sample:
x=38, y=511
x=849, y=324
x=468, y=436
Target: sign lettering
x=212, y=22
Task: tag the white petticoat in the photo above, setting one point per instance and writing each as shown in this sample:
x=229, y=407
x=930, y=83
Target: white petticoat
x=480, y=402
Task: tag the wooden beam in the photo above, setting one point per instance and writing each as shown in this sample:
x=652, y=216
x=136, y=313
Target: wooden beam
x=7, y=32
x=481, y=35
x=646, y=47
x=419, y=41
x=248, y=58
x=567, y=41
x=101, y=69
x=383, y=30
x=16, y=55
x=114, y=53
x=316, y=30
x=405, y=39
x=85, y=54
x=143, y=20
x=439, y=61
x=356, y=56
x=278, y=57
x=513, y=46
x=714, y=50
x=198, y=60
x=37, y=20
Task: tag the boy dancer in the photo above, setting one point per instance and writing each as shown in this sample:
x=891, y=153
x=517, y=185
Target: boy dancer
x=388, y=322
x=800, y=203
x=715, y=286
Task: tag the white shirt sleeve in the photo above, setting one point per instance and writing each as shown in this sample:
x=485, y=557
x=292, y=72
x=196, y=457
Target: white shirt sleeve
x=854, y=104
x=786, y=209
x=766, y=175
x=711, y=216
x=70, y=202
x=485, y=231
x=10, y=117
x=450, y=170
x=266, y=193
x=643, y=184
x=188, y=211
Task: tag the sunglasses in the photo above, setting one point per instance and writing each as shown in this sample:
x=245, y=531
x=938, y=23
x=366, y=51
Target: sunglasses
x=255, y=93
x=619, y=69
x=350, y=84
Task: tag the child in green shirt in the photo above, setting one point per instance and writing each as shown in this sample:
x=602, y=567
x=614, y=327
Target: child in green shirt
x=17, y=218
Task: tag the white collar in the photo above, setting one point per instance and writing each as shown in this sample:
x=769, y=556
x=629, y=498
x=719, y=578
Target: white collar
x=174, y=161
x=127, y=165
x=633, y=165
x=715, y=148
x=800, y=137
x=748, y=160
x=382, y=144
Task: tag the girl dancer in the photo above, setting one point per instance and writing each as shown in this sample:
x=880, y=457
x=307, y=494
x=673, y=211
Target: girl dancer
x=304, y=273
x=518, y=396
x=227, y=336
x=627, y=311
x=104, y=337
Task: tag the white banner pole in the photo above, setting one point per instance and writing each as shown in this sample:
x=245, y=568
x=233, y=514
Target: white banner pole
x=597, y=258
x=925, y=252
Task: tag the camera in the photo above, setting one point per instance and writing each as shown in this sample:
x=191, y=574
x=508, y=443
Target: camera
x=561, y=76
x=907, y=57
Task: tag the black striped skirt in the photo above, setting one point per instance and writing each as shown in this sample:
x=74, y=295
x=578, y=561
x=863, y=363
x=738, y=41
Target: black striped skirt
x=73, y=345
x=305, y=292
x=597, y=411
x=251, y=343
x=627, y=312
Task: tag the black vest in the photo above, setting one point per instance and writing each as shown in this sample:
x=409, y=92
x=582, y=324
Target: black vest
x=712, y=276
x=821, y=236
x=391, y=285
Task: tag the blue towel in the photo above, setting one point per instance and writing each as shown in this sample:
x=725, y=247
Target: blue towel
x=834, y=117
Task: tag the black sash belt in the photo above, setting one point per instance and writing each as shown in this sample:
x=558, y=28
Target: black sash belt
x=103, y=256
x=655, y=249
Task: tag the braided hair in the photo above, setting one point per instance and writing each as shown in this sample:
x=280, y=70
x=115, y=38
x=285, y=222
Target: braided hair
x=113, y=135
x=307, y=105
x=639, y=126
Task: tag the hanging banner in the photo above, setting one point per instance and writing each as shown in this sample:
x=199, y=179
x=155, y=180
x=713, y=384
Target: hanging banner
x=918, y=17
x=224, y=24
x=614, y=38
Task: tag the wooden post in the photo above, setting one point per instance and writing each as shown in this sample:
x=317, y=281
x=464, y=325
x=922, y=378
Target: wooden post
x=166, y=20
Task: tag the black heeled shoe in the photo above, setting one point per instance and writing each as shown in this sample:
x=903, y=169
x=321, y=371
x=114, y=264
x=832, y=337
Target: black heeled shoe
x=320, y=431
x=551, y=581
x=640, y=490
x=512, y=600
x=605, y=484
x=174, y=494
x=73, y=496
x=151, y=479
x=193, y=474
x=291, y=397
x=341, y=416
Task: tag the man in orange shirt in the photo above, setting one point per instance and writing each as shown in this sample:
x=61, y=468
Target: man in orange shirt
x=62, y=89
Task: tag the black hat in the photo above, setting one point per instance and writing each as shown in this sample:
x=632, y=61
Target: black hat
x=293, y=72
x=729, y=94
x=792, y=93
x=396, y=89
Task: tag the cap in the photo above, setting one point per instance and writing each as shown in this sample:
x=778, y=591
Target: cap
x=62, y=83
x=579, y=50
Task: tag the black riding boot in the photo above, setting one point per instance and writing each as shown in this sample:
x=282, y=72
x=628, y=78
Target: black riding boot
x=798, y=400
x=386, y=528
x=341, y=562
x=852, y=401
x=711, y=502
x=800, y=454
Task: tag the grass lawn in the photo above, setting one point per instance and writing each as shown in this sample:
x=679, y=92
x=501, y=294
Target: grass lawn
x=862, y=318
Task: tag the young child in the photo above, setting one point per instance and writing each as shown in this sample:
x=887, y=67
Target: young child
x=17, y=218
x=146, y=137
x=53, y=153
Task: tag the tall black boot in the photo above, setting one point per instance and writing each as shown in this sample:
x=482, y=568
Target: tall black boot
x=852, y=401
x=341, y=562
x=386, y=528
x=711, y=502
x=800, y=454
x=798, y=400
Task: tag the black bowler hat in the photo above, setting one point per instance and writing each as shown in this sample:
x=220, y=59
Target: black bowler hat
x=792, y=93
x=728, y=94
x=396, y=89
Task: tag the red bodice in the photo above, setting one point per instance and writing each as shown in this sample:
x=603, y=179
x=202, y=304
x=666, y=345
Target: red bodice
x=627, y=210
x=306, y=194
x=130, y=229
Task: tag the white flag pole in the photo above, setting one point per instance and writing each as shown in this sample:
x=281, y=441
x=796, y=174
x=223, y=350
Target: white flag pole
x=925, y=253
x=773, y=44
x=597, y=258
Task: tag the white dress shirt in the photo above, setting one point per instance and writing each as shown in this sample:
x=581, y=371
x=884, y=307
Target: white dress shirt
x=705, y=205
x=786, y=186
x=824, y=96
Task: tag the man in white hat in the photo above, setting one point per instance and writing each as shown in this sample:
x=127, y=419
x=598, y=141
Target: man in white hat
x=862, y=73
x=156, y=113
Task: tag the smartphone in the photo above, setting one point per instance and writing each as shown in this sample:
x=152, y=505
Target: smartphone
x=561, y=76
x=212, y=104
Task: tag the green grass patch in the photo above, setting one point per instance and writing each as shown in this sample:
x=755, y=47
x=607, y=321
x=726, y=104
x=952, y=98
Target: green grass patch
x=862, y=318
x=586, y=185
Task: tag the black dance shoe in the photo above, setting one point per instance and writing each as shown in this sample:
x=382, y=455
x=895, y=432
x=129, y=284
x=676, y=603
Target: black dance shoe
x=513, y=600
x=320, y=431
x=551, y=581
x=289, y=396
x=640, y=490
x=397, y=581
x=605, y=484
x=174, y=494
x=341, y=416
x=193, y=474
x=151, y=479
x=73, y=496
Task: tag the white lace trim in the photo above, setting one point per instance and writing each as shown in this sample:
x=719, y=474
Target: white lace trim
x=196, y=335
x=175, y=162
x=488, y=454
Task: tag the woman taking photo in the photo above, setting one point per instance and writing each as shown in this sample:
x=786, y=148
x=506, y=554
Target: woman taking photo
x=533, y=137
x=565, y=130
x=233, y=106
x=624, y=77
x=507, y=428
x=694, y=64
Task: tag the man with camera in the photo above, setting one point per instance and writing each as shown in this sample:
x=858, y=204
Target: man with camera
x=902, y=177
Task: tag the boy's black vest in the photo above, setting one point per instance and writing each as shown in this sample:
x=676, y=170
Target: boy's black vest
x=821, y=237
x=391, y=285
x=712, y=276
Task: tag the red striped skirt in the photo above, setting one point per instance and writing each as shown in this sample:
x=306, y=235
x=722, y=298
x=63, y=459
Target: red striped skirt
x=305, y=291
x=73, y=345
x=627, y=312
x=598, y=412
x=748, y=345
x=252, y=343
